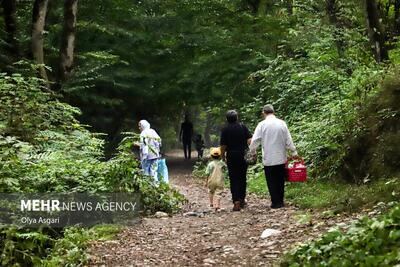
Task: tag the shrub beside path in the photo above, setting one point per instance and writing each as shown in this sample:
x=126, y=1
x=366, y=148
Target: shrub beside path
x=198, y=236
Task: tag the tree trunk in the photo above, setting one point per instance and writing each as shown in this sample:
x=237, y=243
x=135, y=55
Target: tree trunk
x=332, y=9
x=289, y=7
x=375, y=31
x=68, y=39
x=397, y=16
x=9, y=9
x=262, y=8
x=207, y=130
x=38, y=23
x=253, y=5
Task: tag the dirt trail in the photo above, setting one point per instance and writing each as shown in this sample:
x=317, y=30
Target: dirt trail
x=200, y=237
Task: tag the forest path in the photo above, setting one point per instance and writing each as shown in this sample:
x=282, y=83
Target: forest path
x=199, y=236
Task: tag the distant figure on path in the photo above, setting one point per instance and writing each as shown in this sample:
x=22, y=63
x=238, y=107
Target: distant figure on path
x=215, y=177
x=235, y=138
x=275, y=138
x=185, y=136
x=199, y=143
x=150, y=144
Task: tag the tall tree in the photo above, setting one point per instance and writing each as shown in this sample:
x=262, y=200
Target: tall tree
x=262, y=7
x=397, y=16
x=333, y=9
x=68, y=39
x=38, y=23
x=9, y=9
x=289, y=7
x=207, y=130
x=375, y=31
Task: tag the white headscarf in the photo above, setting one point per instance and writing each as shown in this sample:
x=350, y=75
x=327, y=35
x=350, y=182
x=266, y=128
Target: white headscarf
x=144, y=124
x=150, y=141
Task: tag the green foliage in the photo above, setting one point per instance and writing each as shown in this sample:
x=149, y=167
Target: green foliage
x=136, y=59
x=371, y=145
x=70, y=250
x=156, y=58
x=20, y=246
x=199, y=169
x=52, y=152
x=27, y=110
x=160, y=198
x=369, y=242
x=43, y=148
x=318, y=112
x=337, y=196
x=322, y=91
x=256, y=182
x=50, y=247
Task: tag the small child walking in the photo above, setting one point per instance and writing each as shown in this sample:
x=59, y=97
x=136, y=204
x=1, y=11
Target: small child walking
x=215, y=177
x=199, y=142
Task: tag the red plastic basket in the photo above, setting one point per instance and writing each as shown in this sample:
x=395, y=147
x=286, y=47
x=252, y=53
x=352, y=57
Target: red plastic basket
x=296, y=172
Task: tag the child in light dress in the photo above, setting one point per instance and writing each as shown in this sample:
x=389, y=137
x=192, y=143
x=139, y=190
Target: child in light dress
x=215, y=177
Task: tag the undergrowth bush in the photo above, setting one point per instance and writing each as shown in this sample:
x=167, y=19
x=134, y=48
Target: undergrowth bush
x=320, y=104
x=50, y=247
x=324, y=194
x=368, y=242
x=321, y=93
x=199, y=168
x=43, y=148
x=372, y=151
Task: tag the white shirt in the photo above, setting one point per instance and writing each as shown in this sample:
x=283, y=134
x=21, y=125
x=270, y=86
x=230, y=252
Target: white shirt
x=275, y=138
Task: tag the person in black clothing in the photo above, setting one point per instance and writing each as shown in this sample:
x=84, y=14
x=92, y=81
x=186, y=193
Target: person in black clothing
x=199, y=142
x=185, y=137
x=235, y=138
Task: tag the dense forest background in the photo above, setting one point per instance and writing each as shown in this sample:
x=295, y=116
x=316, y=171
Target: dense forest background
x=73, y=69
x=319, y=62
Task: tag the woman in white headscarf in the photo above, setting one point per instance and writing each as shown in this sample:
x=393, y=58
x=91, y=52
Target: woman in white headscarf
x=150, y=144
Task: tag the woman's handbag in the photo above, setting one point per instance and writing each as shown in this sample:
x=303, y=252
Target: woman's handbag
x=249, y=157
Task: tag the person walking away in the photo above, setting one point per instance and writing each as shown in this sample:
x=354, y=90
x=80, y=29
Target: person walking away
x=274, y=136
x=150, y=144
x=185, y=136
x=235, y=138
x=199, y=142
x=215, y=177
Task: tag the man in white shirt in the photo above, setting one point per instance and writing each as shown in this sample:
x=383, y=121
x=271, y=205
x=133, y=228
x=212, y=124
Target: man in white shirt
x=274, y=137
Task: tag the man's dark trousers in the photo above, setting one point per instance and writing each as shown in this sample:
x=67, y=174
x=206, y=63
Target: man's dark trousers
x=275, y=176
x=237, y=169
